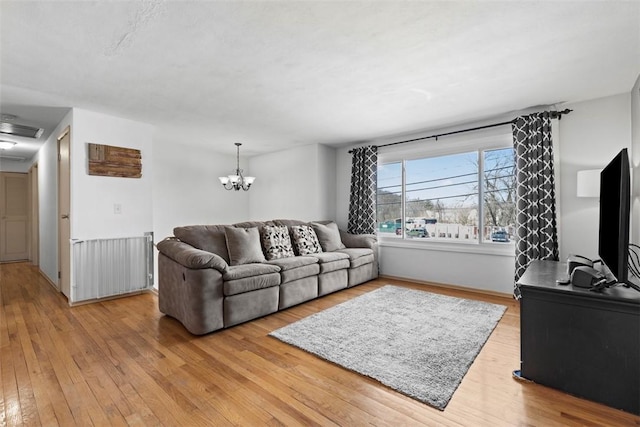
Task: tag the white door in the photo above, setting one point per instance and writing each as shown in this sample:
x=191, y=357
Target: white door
x=14, y=216
x=64, y=206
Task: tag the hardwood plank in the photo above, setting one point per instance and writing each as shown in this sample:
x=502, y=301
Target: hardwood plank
x=122, y=362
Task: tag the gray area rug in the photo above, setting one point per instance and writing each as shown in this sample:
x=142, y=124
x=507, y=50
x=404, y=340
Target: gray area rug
x=418, y=343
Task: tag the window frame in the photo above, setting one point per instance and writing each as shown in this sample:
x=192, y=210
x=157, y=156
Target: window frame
x=476, y=141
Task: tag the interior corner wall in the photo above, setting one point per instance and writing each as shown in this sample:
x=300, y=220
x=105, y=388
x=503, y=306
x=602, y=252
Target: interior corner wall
x=590, y=137
x=47, y=159
x=635, y=160
x=297, y=183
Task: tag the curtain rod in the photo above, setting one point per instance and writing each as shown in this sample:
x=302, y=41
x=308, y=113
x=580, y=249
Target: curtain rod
x=554, y=115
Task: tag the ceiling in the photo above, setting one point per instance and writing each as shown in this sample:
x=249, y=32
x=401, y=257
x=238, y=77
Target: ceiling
x=276, y=74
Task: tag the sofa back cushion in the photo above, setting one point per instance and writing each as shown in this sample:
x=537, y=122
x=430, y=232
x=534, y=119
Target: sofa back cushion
x=243, y=245
x=208, y=238
x=328, y=235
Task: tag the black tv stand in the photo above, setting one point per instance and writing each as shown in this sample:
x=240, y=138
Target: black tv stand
x=581, y=342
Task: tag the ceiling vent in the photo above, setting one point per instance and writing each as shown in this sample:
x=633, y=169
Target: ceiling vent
x=12, y=158
x=20, y=130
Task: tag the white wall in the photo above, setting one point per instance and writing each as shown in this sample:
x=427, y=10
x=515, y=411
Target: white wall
x=93, y=197
x=186, y=189
x=635, y=160
x=297, y=183
x=590, y=137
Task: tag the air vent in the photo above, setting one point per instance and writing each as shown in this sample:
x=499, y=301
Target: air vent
x=20, y=130
x=12, y=158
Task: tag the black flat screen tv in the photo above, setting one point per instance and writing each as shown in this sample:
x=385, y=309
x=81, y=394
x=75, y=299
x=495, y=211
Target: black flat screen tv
x=615, y=209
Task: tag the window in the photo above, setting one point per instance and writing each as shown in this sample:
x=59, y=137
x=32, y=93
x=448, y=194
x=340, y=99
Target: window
x=466, y=196
x=499, y=201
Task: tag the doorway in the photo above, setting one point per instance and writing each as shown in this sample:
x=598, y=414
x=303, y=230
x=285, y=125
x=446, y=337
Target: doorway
x=64, y=207
x=14, y=216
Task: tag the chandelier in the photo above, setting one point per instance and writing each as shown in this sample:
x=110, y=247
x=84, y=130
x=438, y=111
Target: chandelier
x=237, y=181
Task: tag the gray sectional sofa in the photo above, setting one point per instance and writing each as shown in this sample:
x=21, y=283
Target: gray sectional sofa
x=215, y=276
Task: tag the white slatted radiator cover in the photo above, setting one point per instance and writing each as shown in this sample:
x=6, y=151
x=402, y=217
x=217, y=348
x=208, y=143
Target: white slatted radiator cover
x=110, y=267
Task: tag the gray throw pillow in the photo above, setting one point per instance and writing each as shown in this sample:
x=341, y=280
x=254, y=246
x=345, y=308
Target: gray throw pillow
x=243, y=245
x=329, y=236
x=276, y=242
x=305, y=240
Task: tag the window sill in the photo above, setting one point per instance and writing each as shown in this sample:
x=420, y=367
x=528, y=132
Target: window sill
x=494, y=249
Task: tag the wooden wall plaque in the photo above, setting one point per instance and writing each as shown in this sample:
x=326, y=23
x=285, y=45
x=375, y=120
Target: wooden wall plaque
x=106, y=160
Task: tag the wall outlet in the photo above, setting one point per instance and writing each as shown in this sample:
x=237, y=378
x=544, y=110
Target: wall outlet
x=117, y=209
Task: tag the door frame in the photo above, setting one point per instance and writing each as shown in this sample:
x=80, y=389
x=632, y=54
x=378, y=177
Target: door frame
x=64, y=209
x=34, y=211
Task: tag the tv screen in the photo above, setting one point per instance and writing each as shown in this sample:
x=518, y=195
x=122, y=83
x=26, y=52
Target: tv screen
x=615, y=203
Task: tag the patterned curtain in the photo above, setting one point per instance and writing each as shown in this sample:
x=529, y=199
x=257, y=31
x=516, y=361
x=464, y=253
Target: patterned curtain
x=364, y=185
x=536, y=200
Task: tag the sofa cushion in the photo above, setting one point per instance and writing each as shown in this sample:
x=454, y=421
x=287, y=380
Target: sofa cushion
x=208, y=238
x=296, y=268
x=293, y=262
x=328, y=236
x=249, y=270
x=332, y=261
x=299, y=273
x=358, y=256
x=243, y=245
x=325, y=257
x=276, y=242
x=248, y=284
x=305, y=240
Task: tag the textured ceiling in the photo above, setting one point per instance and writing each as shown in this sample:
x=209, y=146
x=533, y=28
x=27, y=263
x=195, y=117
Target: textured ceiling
x=275, y=74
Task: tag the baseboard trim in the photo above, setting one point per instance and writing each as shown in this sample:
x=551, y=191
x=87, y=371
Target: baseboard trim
x=449, y=286
x=109, y=298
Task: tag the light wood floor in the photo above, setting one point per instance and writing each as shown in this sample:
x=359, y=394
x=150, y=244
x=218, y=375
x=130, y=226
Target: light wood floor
x=121, y=362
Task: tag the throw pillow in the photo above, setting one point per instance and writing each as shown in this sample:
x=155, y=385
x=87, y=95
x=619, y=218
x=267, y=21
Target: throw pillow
x=243, y=245
x=328, y=236
x=305, y=240
x=276, y=242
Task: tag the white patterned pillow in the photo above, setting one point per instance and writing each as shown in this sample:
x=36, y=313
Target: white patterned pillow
x=276, y=242
x=305, y=240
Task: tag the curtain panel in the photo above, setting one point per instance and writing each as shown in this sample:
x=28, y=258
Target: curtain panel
x=536, y=226
x=364, y=185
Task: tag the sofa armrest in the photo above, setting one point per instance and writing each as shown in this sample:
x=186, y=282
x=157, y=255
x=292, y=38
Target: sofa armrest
x=358, y=240
x=190, y=257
